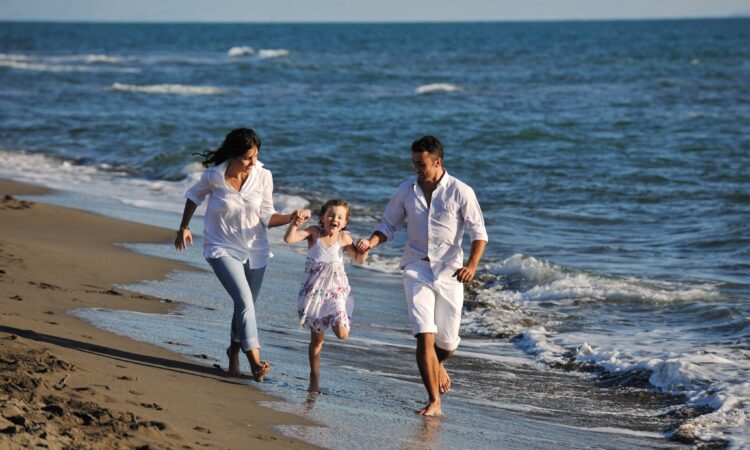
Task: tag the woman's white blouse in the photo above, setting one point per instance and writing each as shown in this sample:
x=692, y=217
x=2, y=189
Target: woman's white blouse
x=236, y=222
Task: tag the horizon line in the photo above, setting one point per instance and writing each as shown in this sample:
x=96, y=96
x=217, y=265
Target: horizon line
x=372, y=22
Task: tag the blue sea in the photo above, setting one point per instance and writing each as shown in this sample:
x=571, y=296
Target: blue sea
x=611, y=160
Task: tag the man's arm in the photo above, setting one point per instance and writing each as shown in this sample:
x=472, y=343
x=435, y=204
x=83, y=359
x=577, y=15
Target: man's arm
x=394, y=218
x=467, y=272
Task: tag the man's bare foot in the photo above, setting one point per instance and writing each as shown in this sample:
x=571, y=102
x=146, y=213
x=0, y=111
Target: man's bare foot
x=259, y=372
x=431, y=409
x=234, y=362
x=444, y=380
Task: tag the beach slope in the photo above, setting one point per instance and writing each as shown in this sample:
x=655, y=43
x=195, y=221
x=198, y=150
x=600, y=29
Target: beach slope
x=65, y=382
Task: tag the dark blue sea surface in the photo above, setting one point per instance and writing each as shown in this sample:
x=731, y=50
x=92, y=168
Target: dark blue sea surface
x=611, y=159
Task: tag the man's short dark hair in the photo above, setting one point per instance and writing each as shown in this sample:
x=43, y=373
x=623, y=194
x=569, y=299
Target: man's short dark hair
x=429, y=144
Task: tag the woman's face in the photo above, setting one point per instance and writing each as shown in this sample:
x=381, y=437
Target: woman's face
x=246, y=162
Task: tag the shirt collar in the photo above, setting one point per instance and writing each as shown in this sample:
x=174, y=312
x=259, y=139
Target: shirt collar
x=217, y=172
x=443, y=181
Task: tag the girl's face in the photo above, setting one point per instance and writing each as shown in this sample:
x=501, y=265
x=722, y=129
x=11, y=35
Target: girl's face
x=334, y=219
x=246, y=162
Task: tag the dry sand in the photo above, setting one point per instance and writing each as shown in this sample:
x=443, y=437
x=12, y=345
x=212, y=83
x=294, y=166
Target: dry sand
x=65, y=383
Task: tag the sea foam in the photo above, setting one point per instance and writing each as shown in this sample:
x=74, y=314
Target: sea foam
x=179, y=89
x=53, y=63
x=437, y=87
x=157, y=195
x=273, y=53
x=241, y=51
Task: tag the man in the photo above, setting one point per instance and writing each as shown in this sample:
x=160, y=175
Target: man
x=436, y=208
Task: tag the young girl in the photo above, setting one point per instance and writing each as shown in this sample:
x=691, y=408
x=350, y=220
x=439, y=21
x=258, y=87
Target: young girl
x=325, y=298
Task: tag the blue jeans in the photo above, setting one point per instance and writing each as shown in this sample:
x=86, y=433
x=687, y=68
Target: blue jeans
x=243, y=284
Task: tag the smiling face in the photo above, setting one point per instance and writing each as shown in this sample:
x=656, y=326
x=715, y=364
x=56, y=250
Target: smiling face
x=335, y=218
x=246, y=162
x=427, y=167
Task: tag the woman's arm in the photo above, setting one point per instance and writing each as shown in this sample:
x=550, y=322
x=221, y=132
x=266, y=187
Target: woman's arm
x=278, y=220
x=183, y=233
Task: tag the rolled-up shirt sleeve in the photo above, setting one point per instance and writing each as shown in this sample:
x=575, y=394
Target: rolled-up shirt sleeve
x=197, y=194
x=394, y=216
x=473, y=219
x=266, y=207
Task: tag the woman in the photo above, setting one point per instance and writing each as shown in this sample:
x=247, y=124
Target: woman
x=240, y=208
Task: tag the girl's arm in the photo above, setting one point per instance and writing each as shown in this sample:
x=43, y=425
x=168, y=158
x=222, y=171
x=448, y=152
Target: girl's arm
x=294, y=234
x=351, y=250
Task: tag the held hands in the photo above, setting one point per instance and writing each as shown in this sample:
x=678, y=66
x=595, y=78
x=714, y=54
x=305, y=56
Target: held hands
x=299, y=217
x=183, y=237
x=362, y=246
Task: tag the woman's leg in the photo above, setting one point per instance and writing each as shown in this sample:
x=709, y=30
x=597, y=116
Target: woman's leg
x=314, y=351
x=232, y=275
x=254, y=279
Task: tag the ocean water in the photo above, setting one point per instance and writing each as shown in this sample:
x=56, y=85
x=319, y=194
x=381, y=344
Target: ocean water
x=611, y=159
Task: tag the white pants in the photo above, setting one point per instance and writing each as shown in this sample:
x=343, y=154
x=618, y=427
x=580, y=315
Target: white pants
x=434, y=305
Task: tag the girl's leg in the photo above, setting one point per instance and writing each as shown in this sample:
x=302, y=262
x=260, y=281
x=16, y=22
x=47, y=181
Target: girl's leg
x=315, y=349
x=341, y=331
x=232, y=275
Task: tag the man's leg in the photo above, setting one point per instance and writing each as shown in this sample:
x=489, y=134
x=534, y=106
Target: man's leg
x=449, y=299
x=444, y=380
x=429, y=369
x=420, y=303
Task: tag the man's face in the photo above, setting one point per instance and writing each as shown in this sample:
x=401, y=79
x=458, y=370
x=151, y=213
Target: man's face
x=427, y=168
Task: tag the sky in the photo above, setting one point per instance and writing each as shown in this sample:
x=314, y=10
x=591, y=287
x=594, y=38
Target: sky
x=363, y=10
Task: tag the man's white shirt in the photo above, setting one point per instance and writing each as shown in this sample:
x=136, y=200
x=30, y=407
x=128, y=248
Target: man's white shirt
x=236, y=222
x=434, y=231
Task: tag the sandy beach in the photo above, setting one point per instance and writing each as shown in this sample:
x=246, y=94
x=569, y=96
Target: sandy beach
x=65, y=382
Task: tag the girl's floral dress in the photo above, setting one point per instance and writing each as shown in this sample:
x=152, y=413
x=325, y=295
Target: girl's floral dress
x=325, y=298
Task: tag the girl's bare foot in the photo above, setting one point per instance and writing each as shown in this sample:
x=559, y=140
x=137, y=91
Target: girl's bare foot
x=259, y=372
x=444, y=380
x=234, y=361
x=431, y=409
x=314, y=383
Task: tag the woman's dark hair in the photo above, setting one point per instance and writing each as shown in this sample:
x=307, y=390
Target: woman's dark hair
x=328, y=204
x=237, y=143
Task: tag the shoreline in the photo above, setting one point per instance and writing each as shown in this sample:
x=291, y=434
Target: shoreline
x=65, y=381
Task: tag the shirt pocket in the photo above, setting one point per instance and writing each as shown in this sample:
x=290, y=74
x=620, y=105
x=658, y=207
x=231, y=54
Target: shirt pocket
x=447, y=212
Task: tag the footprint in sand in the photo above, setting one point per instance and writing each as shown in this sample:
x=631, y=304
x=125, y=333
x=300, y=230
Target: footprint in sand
x=152, y=406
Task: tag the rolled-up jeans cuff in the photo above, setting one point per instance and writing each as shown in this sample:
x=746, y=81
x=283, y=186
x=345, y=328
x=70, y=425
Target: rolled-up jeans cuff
x=249, y=344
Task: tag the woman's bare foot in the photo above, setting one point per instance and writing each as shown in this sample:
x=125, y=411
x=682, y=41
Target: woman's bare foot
x=444, y=380
x=234, y=361
x=259, y=372
x=431, y=409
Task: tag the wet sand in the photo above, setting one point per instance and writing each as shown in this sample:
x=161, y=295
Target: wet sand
x=65, y=382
